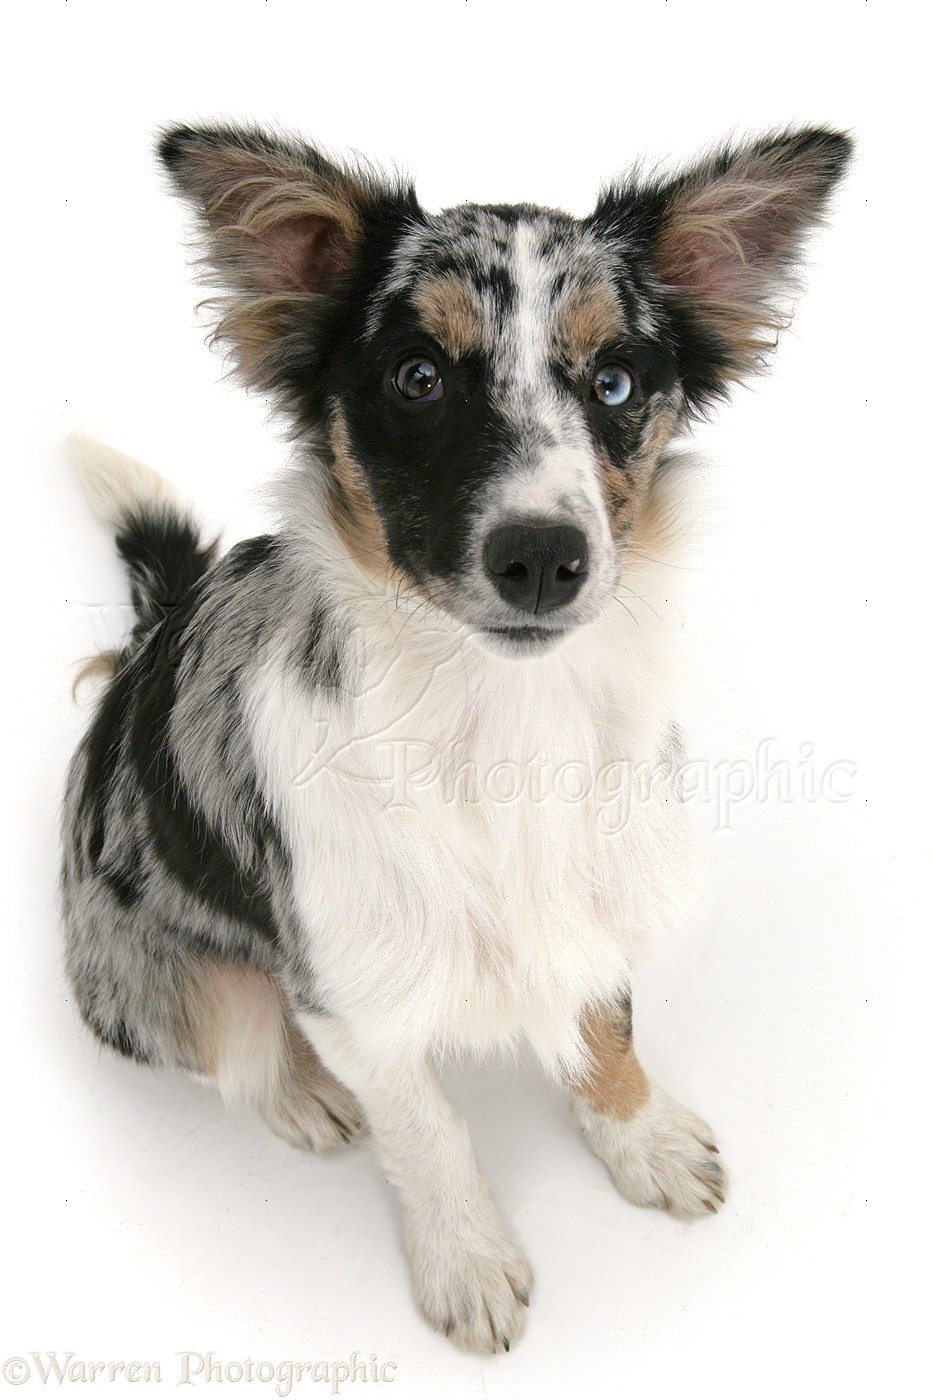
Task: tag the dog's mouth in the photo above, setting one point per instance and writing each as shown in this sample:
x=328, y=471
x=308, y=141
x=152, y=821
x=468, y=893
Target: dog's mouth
x=522, y=641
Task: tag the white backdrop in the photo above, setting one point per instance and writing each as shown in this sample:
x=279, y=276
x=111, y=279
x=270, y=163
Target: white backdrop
x=141, y=1220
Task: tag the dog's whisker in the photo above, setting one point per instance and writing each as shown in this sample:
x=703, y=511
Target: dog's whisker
x=628, y=610
x=641, y=598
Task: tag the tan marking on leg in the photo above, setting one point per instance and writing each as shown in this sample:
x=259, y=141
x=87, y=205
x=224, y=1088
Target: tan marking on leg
x=351, y=505
x=615, y=1084
x=451, y=312
x=588, y=318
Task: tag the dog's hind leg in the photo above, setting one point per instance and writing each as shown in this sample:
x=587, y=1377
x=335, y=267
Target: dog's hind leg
x=147, y=993
x=242, y=1038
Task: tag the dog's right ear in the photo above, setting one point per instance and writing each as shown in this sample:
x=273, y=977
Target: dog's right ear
x=282, y=225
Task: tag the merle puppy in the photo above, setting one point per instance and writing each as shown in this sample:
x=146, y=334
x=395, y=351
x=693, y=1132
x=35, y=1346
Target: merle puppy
x=399, y=779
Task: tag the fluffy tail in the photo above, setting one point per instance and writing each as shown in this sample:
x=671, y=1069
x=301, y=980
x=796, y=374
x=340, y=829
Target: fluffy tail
x=157, y=536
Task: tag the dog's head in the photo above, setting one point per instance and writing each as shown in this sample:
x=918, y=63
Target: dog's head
x=491, y=388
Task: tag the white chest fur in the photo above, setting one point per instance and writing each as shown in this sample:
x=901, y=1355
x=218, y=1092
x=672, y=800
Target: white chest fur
x=480, y=846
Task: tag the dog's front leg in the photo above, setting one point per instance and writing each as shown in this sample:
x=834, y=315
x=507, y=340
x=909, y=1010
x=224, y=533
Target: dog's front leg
x=470, y=1281
x=658, y=1152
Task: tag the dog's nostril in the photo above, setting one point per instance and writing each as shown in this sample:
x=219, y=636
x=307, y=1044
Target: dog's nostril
x=569, y=570
x=536, y=566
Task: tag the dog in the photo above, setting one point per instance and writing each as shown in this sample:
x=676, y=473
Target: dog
x=345, y=803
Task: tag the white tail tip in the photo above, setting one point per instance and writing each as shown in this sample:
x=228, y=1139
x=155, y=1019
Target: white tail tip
x=117, y=486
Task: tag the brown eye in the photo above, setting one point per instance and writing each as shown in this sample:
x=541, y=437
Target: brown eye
x=613, y=385
x=418, y=379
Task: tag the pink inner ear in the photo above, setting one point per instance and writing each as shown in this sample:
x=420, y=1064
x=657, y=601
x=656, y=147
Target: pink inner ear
x=722, y=240
x=702, y=264
x=304, y=254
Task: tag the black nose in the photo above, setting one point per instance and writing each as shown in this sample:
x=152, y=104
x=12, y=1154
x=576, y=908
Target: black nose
x=536, y=567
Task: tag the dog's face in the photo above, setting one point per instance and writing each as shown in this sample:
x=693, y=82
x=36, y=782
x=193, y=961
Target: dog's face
x=504, y=398
x=490, y=389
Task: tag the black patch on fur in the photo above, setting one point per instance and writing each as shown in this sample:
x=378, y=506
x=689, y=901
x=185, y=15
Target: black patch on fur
x=183, y=838
x=124, y=881
x=248, y=555
x=132, y=727
x=426, y=464
x=163, y=554
x=103, y=746
x=320, y=661
x=118, y=1036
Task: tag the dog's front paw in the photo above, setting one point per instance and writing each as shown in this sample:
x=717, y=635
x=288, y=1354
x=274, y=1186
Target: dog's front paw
x=474, y=1288
x=663, y=1156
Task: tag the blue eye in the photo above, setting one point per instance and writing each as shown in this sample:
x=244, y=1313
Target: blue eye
x=613, y=385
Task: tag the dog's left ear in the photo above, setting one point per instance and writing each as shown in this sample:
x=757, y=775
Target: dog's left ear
x=282, y=227
x=725, y=238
